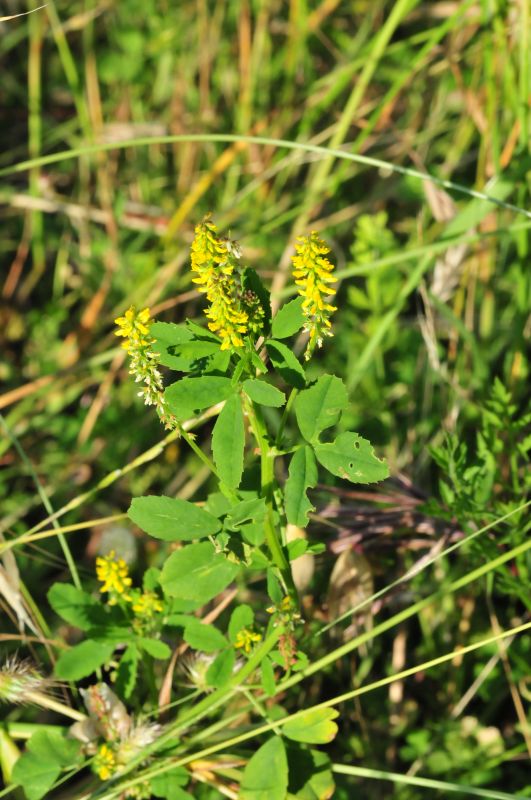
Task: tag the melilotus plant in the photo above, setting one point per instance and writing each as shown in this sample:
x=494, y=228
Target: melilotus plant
x=240, y=369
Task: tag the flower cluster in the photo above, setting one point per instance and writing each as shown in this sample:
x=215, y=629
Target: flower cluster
x=134, y=326
x=313, y=275
x=124, y=737
x=113, y=573
x=146, y=604
x=105, y=762
x=246, y=639
x=215, y=262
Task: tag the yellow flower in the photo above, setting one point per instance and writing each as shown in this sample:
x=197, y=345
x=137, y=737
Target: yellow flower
x=147, y=605
x=113, y=573
x=104, y=762
x=313, y=276
x=134, y=326
x=215, y=262
x=246, y=639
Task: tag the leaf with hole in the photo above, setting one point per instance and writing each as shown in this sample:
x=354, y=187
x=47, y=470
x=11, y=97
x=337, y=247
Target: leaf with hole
x=351, y=457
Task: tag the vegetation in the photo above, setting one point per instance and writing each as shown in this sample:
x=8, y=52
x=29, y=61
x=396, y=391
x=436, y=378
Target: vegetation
x=271, y=541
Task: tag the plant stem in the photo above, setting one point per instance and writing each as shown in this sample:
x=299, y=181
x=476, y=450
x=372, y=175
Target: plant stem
x=189, y=439
x=285, y=415
x=267, y=475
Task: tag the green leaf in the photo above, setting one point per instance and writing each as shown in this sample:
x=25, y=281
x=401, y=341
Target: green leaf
x=220, y=671
x=253, y=532
x=154, y=647
x=82, y=659
x=35, y=774
x=187, y=348
x=266, y=775
x=286, y=364
x=288, y=320
x=352, y=458
x=172, y=519
x=169, y=337
x=55, y=746
x=312, y=727
x=197, y=572
x=297, y=548
x=218, y=504
x=263, y=393
x=269, y=684
x=73, y=605
x=310, y=775
x=202, y=636
x=302, y=474
x=241, y=617
x=273, y=587
x=40, y=766
x=169, y=785
x=320, y=406
x=127, y=671
x=253, y=509
x=188, y=397
x=228, y=442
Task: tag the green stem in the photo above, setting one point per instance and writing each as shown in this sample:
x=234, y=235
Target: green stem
x=190, y=441
x=285, y=415
x=267, y=475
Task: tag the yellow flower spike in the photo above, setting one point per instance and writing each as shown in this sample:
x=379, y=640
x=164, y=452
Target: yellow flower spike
x=113, y=574
x=246, y=639
x=215, y=262
x=135, y=326
x=313, y=275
